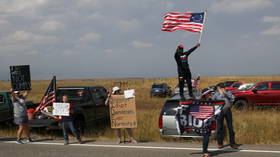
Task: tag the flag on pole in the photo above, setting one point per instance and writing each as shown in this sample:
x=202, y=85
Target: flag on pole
x=192, y=22
x=49, y=97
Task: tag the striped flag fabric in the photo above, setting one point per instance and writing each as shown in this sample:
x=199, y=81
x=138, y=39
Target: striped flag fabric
x=202, y=112
x=192, y=22
x=49, y=97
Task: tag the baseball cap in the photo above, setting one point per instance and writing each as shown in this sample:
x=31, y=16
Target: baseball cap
x=181, y=46
x=16, y=92
x=114, y=89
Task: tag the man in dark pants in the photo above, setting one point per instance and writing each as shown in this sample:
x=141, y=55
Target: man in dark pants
x=67, y=123
x=226, y=113
x=184, y=72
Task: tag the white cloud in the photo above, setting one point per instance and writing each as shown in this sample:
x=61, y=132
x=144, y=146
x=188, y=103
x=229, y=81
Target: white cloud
x=90, y=37
x=237, y=6
x=128, y=25
x=24, y=36
x=274, y=30
x=271, y=19
x=51, y=25
x=141, y=44
x=15, y=6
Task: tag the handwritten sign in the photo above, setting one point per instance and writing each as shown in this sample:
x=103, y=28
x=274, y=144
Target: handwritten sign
x=20, y=77
x=129, y=93
x=61, y=109
x=122, y=112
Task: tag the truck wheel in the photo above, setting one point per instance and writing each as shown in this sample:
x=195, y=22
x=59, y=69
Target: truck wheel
x=241, y=105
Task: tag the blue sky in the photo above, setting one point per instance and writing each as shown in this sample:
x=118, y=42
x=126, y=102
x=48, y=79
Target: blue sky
x=122, y=38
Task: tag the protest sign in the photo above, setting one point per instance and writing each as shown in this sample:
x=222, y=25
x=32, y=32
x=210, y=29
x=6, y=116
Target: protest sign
x=122, y=112
x=61, y=109
x=129, y=93
x=20, y=77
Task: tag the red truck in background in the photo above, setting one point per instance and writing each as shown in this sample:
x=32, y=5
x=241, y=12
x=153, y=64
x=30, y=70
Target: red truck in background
x=261, y=94
x=234, y=86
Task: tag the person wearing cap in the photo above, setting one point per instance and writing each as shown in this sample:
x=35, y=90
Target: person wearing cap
x=222, y=94
x=184, y=73
x=206, y=96
x=117, y=91
x=20, y=115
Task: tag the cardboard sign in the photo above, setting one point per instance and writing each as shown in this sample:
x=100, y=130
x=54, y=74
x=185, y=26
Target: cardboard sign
x=122, y=112
x=129, y=93
x=61, y=109
x=20, y=77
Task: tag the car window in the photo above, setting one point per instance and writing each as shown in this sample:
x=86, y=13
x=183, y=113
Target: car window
x=157, y=86
x=261, y=87
x=236, y=85
x=1, y=99
x=275, y=86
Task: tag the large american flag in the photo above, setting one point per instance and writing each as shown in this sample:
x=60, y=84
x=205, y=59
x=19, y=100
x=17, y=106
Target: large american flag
x=183, y=21
x=49, y=97
x=202, y=112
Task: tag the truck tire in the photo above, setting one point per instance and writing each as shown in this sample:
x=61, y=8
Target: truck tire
x=241, y=105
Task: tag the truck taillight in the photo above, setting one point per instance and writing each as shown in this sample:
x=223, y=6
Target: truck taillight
x=213, y=125
x=160, y=122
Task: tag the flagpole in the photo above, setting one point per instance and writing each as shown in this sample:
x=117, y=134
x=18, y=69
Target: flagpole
x=204, y=19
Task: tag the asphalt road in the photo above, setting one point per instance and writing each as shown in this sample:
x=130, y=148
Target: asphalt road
x=52, y=148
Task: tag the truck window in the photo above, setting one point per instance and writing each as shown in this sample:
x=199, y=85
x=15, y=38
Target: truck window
x=262, y=87
x=275, y=86
x=75, y=95
x=1, y=98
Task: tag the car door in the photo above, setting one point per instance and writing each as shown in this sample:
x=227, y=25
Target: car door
x=261, y=94
x=275, y=92
x=5, y=109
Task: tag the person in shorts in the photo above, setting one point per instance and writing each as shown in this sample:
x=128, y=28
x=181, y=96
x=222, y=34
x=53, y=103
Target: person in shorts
x=20, y=115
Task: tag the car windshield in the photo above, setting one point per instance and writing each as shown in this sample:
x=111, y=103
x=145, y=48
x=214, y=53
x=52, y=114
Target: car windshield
x=157, y=86
x=228, y=83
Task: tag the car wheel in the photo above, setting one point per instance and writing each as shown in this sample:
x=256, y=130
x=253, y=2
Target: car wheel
x=241, y=104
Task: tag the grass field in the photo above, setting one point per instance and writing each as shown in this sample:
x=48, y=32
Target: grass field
x=251, y=127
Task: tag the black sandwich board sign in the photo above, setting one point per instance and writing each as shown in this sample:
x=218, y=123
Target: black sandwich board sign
x=20, y=77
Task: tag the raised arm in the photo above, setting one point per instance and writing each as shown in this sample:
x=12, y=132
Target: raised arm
x=192, y=49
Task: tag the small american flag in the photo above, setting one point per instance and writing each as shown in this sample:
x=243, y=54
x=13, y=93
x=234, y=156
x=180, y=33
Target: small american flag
x=183, y=21
x=49, y=97
x=202, y=112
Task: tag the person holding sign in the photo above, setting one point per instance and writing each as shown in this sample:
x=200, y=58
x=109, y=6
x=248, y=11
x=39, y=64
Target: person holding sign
x=110, y=100
x=67, y=123
x=184, y=72
x=20, y=115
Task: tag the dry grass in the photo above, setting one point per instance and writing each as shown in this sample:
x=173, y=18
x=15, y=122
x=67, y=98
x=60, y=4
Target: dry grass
x=251, y=127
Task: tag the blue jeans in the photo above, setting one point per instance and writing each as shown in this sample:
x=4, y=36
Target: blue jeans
x=220, y=127
x=69, y=125
x=206, y=141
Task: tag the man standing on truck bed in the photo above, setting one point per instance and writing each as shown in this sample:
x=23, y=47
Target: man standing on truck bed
x=184, y=72
x=67, y=123
x=20, y=115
